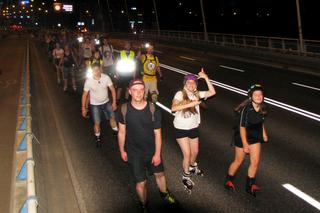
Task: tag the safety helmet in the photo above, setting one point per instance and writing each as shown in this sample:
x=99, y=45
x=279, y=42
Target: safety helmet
x=253, y=88
x=190, y=77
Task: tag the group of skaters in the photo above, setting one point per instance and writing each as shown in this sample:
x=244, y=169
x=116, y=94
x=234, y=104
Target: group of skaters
x=137, y=120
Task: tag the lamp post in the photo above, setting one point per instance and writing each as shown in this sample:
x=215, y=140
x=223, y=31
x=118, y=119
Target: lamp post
x=110, y=17
x=126, y=9
x=157, y=20
x=300, y=28
x=204, y=22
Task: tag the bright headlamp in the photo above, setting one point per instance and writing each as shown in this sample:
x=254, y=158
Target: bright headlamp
x=126, y=66
x=97, y=41
x=147, y=45
x=80, y=39
x=89, y=73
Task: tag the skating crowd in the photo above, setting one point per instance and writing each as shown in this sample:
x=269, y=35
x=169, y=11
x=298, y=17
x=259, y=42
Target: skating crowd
x=131, y=78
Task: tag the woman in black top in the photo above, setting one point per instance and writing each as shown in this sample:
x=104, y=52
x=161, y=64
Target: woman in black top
x=249, y=133
x=69, y=64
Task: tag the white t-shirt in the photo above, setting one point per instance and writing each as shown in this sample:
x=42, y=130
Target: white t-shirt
x=98, y=89
x=187, y=120
x=106, y=52
x=58, y=53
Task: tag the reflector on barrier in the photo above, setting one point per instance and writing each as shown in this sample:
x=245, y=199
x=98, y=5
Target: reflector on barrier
x=23, y=172
x=23, y=143
x=23, y=125
x=23, y=111
x=24, y=208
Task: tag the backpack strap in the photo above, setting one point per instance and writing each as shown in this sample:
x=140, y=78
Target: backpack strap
x=124, y=110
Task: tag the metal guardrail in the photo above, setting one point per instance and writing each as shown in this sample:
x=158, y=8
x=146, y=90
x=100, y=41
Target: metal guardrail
x=288, y=45
x=24, y=196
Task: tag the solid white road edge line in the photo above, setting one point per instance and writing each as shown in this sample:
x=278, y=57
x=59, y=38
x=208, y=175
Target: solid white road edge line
x=279, y=104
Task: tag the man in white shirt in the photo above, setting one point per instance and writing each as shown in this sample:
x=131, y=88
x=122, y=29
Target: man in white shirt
x=98, y=86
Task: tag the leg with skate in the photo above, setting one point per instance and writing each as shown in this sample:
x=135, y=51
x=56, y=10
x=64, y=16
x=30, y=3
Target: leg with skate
x=187, y=182
x=251, y=186
x=194, y=170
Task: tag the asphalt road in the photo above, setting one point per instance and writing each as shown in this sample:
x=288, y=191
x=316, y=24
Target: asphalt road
x=74, y=175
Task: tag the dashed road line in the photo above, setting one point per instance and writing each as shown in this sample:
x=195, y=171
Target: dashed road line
x=306, y=86
x=302, y=195
x=184, y=57
x=232, y=68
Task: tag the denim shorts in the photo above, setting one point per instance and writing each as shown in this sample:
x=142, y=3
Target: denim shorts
x=98, y=110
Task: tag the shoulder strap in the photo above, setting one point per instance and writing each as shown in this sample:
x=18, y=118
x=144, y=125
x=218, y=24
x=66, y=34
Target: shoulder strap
x=124, y=110
x=145, y=58
x=152, y=108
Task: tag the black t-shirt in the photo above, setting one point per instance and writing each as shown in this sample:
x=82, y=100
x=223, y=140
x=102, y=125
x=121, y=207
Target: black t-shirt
x=140, y=137
x=253, y=122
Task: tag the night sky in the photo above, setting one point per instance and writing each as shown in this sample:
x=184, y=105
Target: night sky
x=249, y=17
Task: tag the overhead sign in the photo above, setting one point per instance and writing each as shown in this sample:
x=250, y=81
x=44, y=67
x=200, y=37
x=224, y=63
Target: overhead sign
x=67, y=7
x=24, y=2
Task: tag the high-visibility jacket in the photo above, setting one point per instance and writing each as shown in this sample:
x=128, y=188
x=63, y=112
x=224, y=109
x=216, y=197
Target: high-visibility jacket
x=123, y=55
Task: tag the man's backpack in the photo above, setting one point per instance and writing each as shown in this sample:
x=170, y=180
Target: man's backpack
x=124, y=110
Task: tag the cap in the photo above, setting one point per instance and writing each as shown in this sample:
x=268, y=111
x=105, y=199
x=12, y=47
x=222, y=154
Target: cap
x=136, y=81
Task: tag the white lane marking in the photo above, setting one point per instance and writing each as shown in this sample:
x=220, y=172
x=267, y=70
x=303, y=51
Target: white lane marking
x=285, y=106
x=191, y=59
x=231, y=68
x=302, y=195
x=306, y=86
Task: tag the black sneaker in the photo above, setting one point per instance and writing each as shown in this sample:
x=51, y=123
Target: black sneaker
x=167, y=198
x=98, y=141
x=143, y=207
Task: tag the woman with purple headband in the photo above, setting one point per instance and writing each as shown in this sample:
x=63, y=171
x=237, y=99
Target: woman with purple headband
x=185, y=104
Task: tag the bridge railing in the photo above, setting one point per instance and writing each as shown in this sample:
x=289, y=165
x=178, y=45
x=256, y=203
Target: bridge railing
x=24, y=198
x=290, y=45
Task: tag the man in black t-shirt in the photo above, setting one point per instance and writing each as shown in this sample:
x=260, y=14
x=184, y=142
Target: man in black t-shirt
x=139, y=139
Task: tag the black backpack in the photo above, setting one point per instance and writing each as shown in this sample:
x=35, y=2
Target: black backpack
x=124, y=110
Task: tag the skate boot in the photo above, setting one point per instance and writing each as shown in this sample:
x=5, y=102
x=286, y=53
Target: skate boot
x=229, y=183
x=187, y=182
x=98, y=141
x=194, y=170
x=167, y=198
x=143, y=207
x=251, y=186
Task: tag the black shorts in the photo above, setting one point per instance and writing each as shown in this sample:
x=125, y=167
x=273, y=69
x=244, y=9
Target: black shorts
x=238, y=142
x=57, y=61
x=140, y=165
x=190, y=133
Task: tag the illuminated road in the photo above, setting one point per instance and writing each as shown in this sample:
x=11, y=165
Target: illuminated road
x=75, y=175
